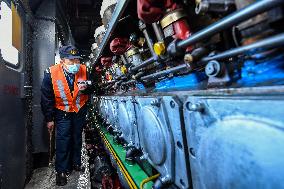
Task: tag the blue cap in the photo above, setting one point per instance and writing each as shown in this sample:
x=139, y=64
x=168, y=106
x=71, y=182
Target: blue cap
x=69, y=52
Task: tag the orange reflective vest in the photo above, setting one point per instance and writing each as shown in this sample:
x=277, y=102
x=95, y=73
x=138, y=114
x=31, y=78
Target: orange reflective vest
x=66, y=100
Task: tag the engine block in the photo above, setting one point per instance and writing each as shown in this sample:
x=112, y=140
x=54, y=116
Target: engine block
x=195, y=89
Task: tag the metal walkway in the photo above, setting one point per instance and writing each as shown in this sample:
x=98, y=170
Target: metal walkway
x=44, y=178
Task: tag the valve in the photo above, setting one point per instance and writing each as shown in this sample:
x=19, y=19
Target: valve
x=214, y=69
x=160, y=48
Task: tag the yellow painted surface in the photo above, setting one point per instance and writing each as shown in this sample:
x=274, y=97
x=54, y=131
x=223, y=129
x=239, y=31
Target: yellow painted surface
x=16, y=28
x=159, y=48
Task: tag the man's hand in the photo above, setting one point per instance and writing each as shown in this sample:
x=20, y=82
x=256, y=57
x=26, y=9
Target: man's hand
x=82, y=87
x=50, y=126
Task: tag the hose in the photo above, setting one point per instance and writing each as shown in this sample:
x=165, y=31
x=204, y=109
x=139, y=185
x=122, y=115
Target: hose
x=148, y=180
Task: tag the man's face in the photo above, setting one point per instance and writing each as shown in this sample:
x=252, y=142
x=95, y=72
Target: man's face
x=71, y=61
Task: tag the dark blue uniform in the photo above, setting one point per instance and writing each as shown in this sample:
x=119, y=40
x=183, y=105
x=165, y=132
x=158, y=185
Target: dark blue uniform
x=69, y=125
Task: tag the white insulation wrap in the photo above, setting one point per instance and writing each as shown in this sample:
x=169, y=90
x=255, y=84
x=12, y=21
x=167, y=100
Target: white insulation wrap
x=94, y=46
x=99, y=30
x=105, y=5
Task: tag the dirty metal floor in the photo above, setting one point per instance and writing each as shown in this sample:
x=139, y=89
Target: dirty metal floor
x=44, y=178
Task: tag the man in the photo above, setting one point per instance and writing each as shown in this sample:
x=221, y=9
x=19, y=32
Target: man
x=63, y=104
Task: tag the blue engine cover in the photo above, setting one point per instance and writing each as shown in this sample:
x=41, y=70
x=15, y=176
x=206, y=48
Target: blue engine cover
x=191, y=81
x=258, y=71
x=262, y=71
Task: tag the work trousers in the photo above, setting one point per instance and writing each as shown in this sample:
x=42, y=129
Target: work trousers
x=69, y=127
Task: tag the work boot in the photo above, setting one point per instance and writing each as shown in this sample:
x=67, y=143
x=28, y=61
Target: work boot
x=68, y=173
x=79, y=168
x=61, y=179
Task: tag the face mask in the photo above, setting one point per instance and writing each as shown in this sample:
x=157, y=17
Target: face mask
x=72, y=68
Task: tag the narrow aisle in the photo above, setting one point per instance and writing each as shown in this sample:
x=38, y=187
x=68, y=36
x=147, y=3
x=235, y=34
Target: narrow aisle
x=44, y=178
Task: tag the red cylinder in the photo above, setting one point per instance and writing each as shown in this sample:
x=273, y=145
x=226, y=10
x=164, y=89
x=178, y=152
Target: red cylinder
x=182, y=31
x=119, y=45
x=106, y=61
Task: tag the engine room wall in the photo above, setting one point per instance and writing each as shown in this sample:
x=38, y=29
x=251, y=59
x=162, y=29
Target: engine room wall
x=63, y=29
x=13, y=133
x=44, y=52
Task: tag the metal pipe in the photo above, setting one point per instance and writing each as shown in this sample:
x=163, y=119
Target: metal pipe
x=158, y=31
x=269, y=43
x=149, y=42
x=231, y=20
x=165, y=72
x=142, y=27
x=118, y=82
x=108, y=87
x=123, y=77
x=128, y=82
x=124, y=60
x=111, y=82
x=118, y=78
x=145, y=63
x=138, y=75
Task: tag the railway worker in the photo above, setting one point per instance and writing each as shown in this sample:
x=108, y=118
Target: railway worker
x=63, y=103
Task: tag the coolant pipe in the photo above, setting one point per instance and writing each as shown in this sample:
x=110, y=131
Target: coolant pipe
x=145, y=63
x=158, y=31
x=265, y=44
x=165, y=72
x=229, y=21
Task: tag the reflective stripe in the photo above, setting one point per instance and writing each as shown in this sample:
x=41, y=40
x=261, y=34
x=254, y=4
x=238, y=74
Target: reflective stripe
x=65, y=100
x=78, y=102
x=63, y=95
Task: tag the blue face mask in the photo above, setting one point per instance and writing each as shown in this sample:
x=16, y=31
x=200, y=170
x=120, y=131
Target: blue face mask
x=73, y=69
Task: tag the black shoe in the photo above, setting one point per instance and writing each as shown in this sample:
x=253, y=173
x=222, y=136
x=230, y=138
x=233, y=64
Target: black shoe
x=68, y=173
x=78, y=168
x=61, y=179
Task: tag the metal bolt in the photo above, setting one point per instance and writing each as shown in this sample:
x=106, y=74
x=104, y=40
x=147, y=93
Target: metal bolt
x=210, y=69
x=155, y=102
x=188, y=58
x=192, y=152
x=198, y=107
x=201, y=7
x=133, y=101
x=130, y=144
x=213, y=68
x=172, y=104
x=144, y=156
